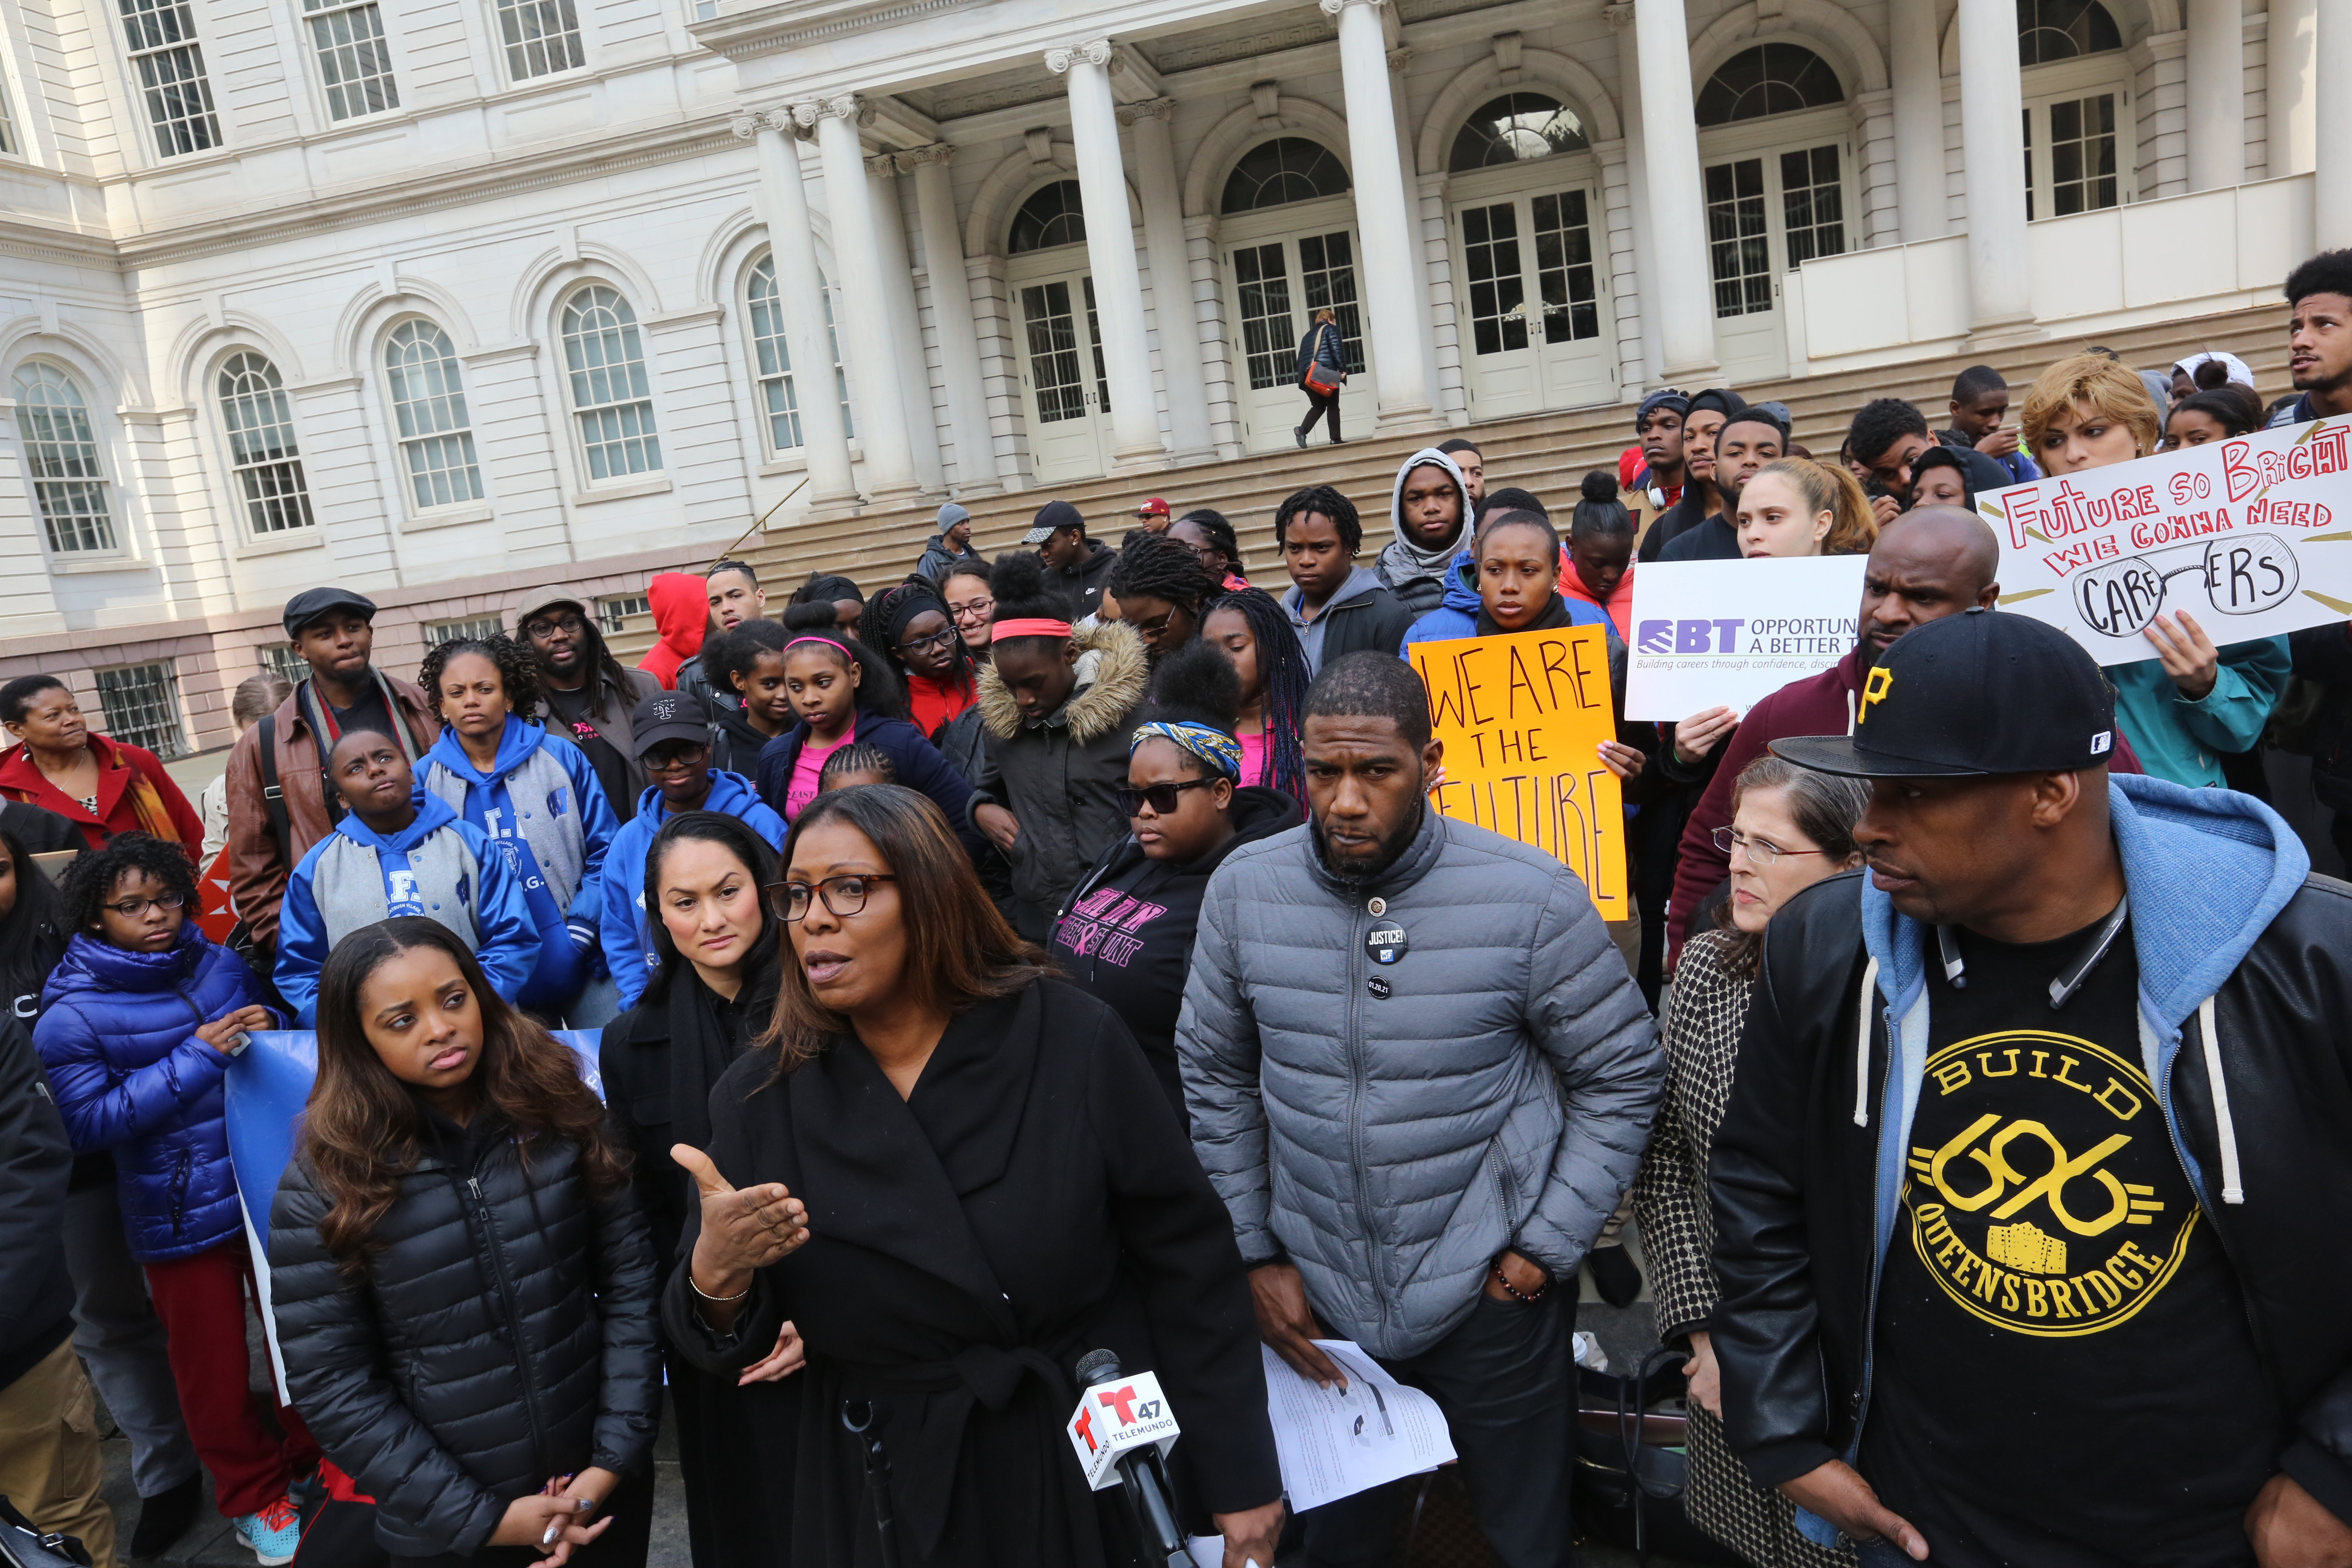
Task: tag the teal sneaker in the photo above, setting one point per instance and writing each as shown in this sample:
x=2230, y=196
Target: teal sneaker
x=274, y=1533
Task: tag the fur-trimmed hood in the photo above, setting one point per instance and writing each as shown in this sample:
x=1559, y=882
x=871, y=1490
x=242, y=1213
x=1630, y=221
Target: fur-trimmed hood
x=1112, y=675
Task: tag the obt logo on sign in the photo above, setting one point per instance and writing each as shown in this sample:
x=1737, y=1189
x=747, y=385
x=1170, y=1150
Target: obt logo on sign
x=1117, y=1417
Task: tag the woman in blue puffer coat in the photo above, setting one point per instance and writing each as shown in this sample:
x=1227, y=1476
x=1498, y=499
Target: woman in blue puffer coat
x=139, y=1024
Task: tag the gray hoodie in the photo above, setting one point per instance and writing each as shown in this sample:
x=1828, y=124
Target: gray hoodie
x=1417, y=576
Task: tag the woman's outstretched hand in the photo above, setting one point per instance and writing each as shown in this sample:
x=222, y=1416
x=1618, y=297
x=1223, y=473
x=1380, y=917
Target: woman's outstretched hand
x=743, y=1230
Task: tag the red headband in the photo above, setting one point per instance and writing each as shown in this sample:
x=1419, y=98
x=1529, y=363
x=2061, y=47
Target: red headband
x=1027, y=628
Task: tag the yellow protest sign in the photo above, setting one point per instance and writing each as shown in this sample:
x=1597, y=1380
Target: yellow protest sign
x=1523, y=715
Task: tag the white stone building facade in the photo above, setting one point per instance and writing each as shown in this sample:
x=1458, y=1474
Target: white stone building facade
x=446, y=299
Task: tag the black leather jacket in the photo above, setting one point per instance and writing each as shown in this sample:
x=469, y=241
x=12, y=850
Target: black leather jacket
x=502, y=1336
x=1792, y=1181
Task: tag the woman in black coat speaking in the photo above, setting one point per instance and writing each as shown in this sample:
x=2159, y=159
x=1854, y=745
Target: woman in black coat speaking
x=958, y=1176
x=464, y=1293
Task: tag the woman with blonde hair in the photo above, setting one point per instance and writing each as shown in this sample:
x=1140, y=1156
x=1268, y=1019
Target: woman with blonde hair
x=1796, y=506
x=2193, y=703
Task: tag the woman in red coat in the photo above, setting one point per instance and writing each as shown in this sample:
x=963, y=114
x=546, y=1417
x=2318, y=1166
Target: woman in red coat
x=103, y=786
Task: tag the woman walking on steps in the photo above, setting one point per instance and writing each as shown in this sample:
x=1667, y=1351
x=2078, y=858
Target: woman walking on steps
x=1322, y=367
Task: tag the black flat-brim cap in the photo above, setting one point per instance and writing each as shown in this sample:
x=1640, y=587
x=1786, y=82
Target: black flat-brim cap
x=312, y=603
x=1969, y=696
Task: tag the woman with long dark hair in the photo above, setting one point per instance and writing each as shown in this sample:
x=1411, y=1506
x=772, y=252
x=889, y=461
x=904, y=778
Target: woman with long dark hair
x=958, y=1176
x=712, y=996
x=1160, y=586
x=910, y=626
x=1253, y=631
x=1790, y=829
x=463, y=1285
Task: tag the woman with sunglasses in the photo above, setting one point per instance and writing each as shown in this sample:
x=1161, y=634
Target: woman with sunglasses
x=711, y=998
x=1207, y=534
x=910, y=626
x=1789, y=829
x=958, y=1176
x=1160, y=586
x=1126, y=931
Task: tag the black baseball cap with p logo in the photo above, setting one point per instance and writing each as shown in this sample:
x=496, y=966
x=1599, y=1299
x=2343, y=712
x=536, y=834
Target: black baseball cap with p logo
x=1970, y=695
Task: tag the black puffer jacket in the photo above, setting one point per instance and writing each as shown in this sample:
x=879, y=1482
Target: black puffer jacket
x=504, y=1335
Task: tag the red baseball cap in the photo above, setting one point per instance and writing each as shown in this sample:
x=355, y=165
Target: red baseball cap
x=1155, y=506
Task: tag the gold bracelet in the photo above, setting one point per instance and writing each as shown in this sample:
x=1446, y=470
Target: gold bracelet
x=706, y=1296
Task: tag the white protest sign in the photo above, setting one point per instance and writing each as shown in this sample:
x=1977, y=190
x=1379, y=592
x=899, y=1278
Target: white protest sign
x=1710, y=633
x=2251, y=536
x=1112, y=1418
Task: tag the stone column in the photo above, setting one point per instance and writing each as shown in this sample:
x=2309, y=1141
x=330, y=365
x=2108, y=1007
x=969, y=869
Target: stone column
x=951, y=313
x=1644, y=352
x=2331, y=190
x=2289, y=59
x=1682, y=303
x=1171, y=278
x=1384, y=215
x=1110, y=253
x=881, y=419
x=906, y=321
x=1917, y=75
x=1993, y=146
x=2217, y=94
x=800, y=290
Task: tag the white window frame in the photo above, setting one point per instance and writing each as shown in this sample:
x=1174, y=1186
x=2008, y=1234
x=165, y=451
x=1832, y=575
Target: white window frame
x=432, y=433
x=613, y=610
x=92, y=436
x=527, y=56
x=763, y=378
x=12, y=140
x=161, y=30
x=614, y=416
x=468, y=628
x=251, y=478
x=173, y=730
x=2081, y=76
x=364, y=92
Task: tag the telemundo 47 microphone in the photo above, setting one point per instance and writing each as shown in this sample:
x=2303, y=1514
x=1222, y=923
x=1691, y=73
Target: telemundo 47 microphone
x=1120, y=1430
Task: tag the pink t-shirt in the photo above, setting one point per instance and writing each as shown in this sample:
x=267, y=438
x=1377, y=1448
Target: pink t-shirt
x=1254, y=759
x=806, y=769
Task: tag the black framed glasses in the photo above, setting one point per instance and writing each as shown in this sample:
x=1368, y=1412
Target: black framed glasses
x=131, y=908
x=1160, y=797
x=845, y=895
x=683, y=761
x=548, y=625
x=972, y=610
x=931, y=644
x=1762, y=851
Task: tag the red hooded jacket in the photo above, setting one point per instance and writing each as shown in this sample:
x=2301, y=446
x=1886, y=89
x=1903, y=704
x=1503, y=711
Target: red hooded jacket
x=681, y=607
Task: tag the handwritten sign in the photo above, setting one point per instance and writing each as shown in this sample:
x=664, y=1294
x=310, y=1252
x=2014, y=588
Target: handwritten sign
x=2251, y=536
x=1522, y=716
x=1734, y=632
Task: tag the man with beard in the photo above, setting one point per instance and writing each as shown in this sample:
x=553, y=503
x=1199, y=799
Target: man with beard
x=2319, y=338
x=1743, y=444
x=588, y=695
x=1429, y=510
x=1419, y=1076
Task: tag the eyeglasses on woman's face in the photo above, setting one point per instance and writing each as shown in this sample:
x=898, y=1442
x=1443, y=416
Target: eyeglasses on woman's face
x=972, y=610
x=1162, y=798
x=131, y=908
x=934, y=643
x=1760, y=851
x=843, y=896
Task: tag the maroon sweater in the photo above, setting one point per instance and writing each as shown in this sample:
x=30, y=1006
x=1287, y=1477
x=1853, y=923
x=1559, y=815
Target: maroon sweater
x=1817, y=705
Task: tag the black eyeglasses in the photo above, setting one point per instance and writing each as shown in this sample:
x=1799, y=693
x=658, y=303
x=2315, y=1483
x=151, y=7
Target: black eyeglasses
x=938, y=640
x=571, y=625
x=1160, y=797
x=131, y=908
x=845, y=895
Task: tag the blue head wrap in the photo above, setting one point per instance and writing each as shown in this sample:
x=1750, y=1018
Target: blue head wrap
x=1214, y=747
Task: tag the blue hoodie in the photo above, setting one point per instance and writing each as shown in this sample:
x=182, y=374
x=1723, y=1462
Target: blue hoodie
x=2205, y=870
x=628, y=935
x=1457, y=615
x=438, y=867
x=541, y=804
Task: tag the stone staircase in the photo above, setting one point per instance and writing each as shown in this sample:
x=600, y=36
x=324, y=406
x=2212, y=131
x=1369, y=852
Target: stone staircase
x=1549, y=454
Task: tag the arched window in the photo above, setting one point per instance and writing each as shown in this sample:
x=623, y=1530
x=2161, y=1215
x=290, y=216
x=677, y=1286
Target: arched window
x=1771, y=79
x=428, y=406
x=2061, y=30
x=262, y=450
x=1051, y=217
x=62, y=450
x=1287, y=169
x=774, y=354
x=1514, y=128
x=604, y=371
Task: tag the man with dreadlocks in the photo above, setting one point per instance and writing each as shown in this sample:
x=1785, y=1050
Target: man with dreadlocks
x=910, y=626
x=1251, y=630
x=1160, y=586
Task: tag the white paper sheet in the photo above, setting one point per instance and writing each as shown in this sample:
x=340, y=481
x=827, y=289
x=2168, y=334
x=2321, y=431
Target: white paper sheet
x=1335, y=1443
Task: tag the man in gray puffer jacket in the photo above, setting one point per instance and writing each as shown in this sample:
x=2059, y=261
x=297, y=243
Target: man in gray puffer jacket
x=1421, y=1077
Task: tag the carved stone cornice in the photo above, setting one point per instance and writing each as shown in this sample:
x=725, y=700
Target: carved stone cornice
x=914, y=158
x=848, y=106
x=1333, y=7
x=1160, y=109
x=1619, y=15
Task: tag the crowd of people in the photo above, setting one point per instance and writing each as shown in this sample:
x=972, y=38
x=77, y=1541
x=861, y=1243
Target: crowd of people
x=1060, y=952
